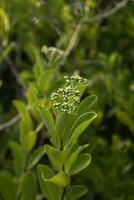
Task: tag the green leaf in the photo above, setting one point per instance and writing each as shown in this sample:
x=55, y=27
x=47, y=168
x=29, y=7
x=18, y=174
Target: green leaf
x=64, y=155
x=24, y=113
x=86, y=104
x=28, y=140
x=50, y=190
x=32, y=93
x=28, y=186
x=60, y=179
x=64, y=121
x=4, y=139
x=76, y=192
x=54, y=157
x=35, y=156
x=74, y=157
x=6, y=174
x=81, y=88
x=8, y=189
x=79, y=126
x=49, y=123
x=45, y=85
x=32, y=96
x=81, y=163
x=19, y=157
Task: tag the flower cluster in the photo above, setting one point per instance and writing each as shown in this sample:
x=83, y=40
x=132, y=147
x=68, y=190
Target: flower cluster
x=52, y=53
x=67, y=99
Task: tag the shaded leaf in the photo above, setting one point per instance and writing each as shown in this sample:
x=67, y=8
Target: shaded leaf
x=28, y=187
x=86, y=104
x=81, y=163
x=35, y=156
x=7, y=189
x=76, y=192
x=19, y=157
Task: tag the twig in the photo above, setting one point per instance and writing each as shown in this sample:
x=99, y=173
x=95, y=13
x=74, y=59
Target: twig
x=73, y=40
x=39, y=127
x=8, y=60
x=87, y=62
x=15, y=120
x=106, y=14
x=10, y=123
x=12, y=67
x=98, y=17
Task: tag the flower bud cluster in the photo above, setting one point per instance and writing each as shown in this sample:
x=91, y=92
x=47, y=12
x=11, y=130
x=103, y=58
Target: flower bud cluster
x=66, y=99
x=75, y=80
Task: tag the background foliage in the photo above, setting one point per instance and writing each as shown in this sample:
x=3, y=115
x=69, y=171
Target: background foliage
x=101, y=50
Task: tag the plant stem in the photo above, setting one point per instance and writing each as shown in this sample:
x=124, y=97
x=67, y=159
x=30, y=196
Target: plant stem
x=64, y=190
x=63, y=194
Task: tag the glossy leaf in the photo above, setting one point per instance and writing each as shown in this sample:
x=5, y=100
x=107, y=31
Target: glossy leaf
x=81, y=163
x=60, y=179
x=50, y=190
x=79, y=126
x=74, y=157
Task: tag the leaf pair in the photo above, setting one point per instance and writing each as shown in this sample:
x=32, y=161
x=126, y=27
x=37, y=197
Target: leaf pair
x=50, y=185
x=57, y=157
x=76, y=162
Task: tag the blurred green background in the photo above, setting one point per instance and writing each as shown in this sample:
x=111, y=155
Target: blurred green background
x=99, y=48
